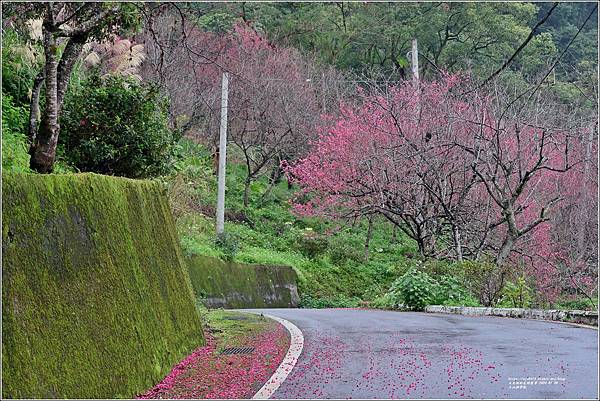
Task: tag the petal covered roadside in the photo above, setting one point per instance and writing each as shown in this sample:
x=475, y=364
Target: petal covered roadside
x=208, y=374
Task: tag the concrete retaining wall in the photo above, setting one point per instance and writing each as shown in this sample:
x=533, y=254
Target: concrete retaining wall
x=572, y=316
x=96, y=299
x=220, y=284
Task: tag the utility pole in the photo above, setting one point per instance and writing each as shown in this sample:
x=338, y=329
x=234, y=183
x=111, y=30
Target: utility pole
x=415, y=60
x=222, y=156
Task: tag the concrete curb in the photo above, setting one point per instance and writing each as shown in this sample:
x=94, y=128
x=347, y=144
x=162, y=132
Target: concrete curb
x=588, y=318
x=288, y=363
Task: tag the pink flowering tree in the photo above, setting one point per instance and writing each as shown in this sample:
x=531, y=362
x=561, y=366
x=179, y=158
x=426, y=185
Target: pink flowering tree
x=273, y=104
x=398, y=155
x=465, y=174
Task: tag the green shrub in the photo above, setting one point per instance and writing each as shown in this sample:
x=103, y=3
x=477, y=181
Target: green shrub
x=15, y=157
x=386, y=301
x=439, y=268
x=341, y=250
x=336, y=301
x=311, y=244
x=21, y=62
x=484, y=279
x=117, y=126
x=516, y=294
x=450, y=292
x=415, y=289
x=228, y=244
x=575, y=304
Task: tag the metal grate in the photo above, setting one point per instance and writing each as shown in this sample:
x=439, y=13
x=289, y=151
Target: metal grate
x=237, y=350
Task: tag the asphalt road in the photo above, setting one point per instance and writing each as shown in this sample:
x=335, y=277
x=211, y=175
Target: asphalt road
x=377, y=354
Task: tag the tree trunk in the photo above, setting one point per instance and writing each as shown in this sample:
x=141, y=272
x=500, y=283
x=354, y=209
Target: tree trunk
x=34, y=108
x=505, y=249
x=512, y=234
x=457, y=243
x=44, y=146
x=274, y=179
x=368, y=238
x=65, y=66
x=247, y=191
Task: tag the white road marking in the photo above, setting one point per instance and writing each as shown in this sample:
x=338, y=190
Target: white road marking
x=288, y=363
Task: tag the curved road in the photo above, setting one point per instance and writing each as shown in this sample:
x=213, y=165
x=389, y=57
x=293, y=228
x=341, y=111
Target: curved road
x=378, y=354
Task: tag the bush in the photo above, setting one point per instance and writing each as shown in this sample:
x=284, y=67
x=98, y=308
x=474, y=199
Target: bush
x=415, y=289
x=386, y=301
x=228, y=244
x=576, y=304
x=21, y=62
x=516, y=294
x=341, y=250
x=338, y=301
x=311, y=244
x=450, y=292
x=118, y=126
x=484, y=279
x=15, y=157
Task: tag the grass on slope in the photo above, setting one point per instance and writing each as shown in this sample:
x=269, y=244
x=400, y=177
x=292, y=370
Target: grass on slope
x=328, y=257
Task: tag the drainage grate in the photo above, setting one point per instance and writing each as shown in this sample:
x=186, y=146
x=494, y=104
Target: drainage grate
x=237, y=350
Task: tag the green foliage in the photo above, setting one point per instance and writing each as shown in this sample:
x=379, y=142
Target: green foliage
x=387, y=301
x=311, y=244
x=516, y=294
x=218, y=22
x=416, y=289
x=15, y=157
x=21, y=61
x=96, y=299
x=117, y=126
x=483, y=279
x=425, y=284
x=341, y=250
x=579, y=303
x=337, y=301
x=228, y=244
x=451, y=292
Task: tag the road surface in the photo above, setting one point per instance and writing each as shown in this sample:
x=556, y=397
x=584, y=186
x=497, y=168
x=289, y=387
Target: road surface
x=379, y=354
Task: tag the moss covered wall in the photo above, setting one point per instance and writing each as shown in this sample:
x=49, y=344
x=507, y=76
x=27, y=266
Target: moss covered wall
x=96, y=299
x=235, y=285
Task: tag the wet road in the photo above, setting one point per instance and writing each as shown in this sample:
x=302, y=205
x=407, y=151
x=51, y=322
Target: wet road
x=378, y=354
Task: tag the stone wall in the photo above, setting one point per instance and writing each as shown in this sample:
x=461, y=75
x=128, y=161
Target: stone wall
x=572, y=316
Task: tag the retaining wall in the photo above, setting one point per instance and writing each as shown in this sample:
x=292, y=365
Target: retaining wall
x=573, y=316
x=96, y=299
x=220, y=284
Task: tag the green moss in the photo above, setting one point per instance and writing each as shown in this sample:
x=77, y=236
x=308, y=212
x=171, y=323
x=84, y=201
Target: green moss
x=234, y=285
x=96, y=299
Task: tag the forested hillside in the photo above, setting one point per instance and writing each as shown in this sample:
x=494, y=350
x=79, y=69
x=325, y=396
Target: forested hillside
x=474, y=184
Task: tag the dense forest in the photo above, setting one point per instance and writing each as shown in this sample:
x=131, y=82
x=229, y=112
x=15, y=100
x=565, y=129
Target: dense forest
x=473, y=184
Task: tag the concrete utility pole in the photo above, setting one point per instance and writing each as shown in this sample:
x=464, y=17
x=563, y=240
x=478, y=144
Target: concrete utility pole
x=222, y=156
x=415, y=60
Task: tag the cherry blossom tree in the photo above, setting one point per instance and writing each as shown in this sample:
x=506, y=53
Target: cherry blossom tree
x=389, y=155
x=273, y=103
x=466, y=174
